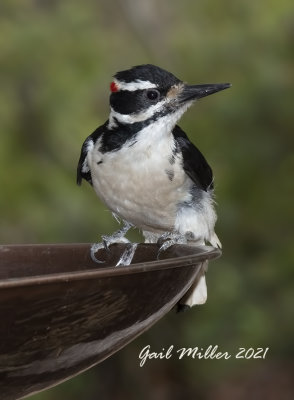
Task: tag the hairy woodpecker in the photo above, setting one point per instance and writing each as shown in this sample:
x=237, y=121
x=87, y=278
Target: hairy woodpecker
x=146, y=170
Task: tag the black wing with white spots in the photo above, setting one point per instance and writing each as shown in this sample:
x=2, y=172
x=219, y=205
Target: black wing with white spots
x=83, y=170
x=194, y=163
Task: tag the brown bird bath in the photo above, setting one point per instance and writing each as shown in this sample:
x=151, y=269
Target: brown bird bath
x=61, y=313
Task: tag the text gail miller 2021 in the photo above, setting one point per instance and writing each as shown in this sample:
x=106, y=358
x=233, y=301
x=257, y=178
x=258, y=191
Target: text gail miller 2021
x=209, y=353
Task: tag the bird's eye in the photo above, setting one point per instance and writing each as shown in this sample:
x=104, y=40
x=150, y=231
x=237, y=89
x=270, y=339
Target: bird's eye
x=152, y=94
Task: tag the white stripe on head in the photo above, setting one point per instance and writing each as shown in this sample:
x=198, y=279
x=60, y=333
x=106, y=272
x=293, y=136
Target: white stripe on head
x=169, y=120
x=135, y=117
x=133, y=86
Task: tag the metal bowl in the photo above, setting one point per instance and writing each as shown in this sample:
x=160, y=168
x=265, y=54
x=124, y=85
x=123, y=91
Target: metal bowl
x=61, y=313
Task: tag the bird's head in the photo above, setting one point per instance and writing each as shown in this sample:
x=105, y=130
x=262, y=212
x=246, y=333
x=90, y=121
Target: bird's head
x=147, y=93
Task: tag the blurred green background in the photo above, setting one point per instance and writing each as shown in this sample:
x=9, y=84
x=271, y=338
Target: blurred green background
x=57, y=59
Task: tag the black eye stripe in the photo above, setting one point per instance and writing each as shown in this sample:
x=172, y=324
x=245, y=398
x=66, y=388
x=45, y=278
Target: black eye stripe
x=127, y=102
x=131, y=102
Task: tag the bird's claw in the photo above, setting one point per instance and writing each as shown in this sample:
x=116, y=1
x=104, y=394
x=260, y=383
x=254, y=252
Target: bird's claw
x=168, y=239
x=94, y=249
x=106, y=242
x=127, y=256
x=117, y=237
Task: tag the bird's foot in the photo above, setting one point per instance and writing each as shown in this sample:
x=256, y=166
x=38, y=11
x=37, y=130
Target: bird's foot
x=168, y=239
x=107, y=240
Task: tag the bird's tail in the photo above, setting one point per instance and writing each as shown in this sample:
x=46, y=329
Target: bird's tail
x=197, y=294
x=214, y=241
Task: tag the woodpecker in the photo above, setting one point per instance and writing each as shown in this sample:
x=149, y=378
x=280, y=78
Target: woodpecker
x=145, y=169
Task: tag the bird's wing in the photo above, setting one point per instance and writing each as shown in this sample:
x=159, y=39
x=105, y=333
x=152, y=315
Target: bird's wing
x=83, y=170
x=194, y=163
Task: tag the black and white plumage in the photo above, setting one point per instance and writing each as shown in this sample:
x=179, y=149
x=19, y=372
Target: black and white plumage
x=144, y=167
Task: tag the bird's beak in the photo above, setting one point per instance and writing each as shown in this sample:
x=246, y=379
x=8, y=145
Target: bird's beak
x=194, y=92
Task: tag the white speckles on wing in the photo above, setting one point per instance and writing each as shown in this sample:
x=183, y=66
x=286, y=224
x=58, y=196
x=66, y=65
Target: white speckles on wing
x=85, y=167
x=89, y=147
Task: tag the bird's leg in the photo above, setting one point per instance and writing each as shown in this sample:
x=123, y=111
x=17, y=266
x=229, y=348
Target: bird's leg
x=168, y=239
x=116, y=237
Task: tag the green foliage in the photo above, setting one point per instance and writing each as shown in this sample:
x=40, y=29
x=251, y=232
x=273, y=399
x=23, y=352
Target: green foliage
x=56, y=61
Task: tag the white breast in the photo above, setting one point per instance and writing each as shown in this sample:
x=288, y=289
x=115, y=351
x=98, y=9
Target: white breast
x=134, y=183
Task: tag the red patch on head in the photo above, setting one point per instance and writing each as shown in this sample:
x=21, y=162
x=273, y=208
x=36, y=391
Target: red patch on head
x=113, y=87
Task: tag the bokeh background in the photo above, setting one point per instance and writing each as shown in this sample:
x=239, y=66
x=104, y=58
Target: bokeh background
x=57, y=59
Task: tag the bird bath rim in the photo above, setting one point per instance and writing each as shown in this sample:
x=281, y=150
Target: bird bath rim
x=196, y=255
